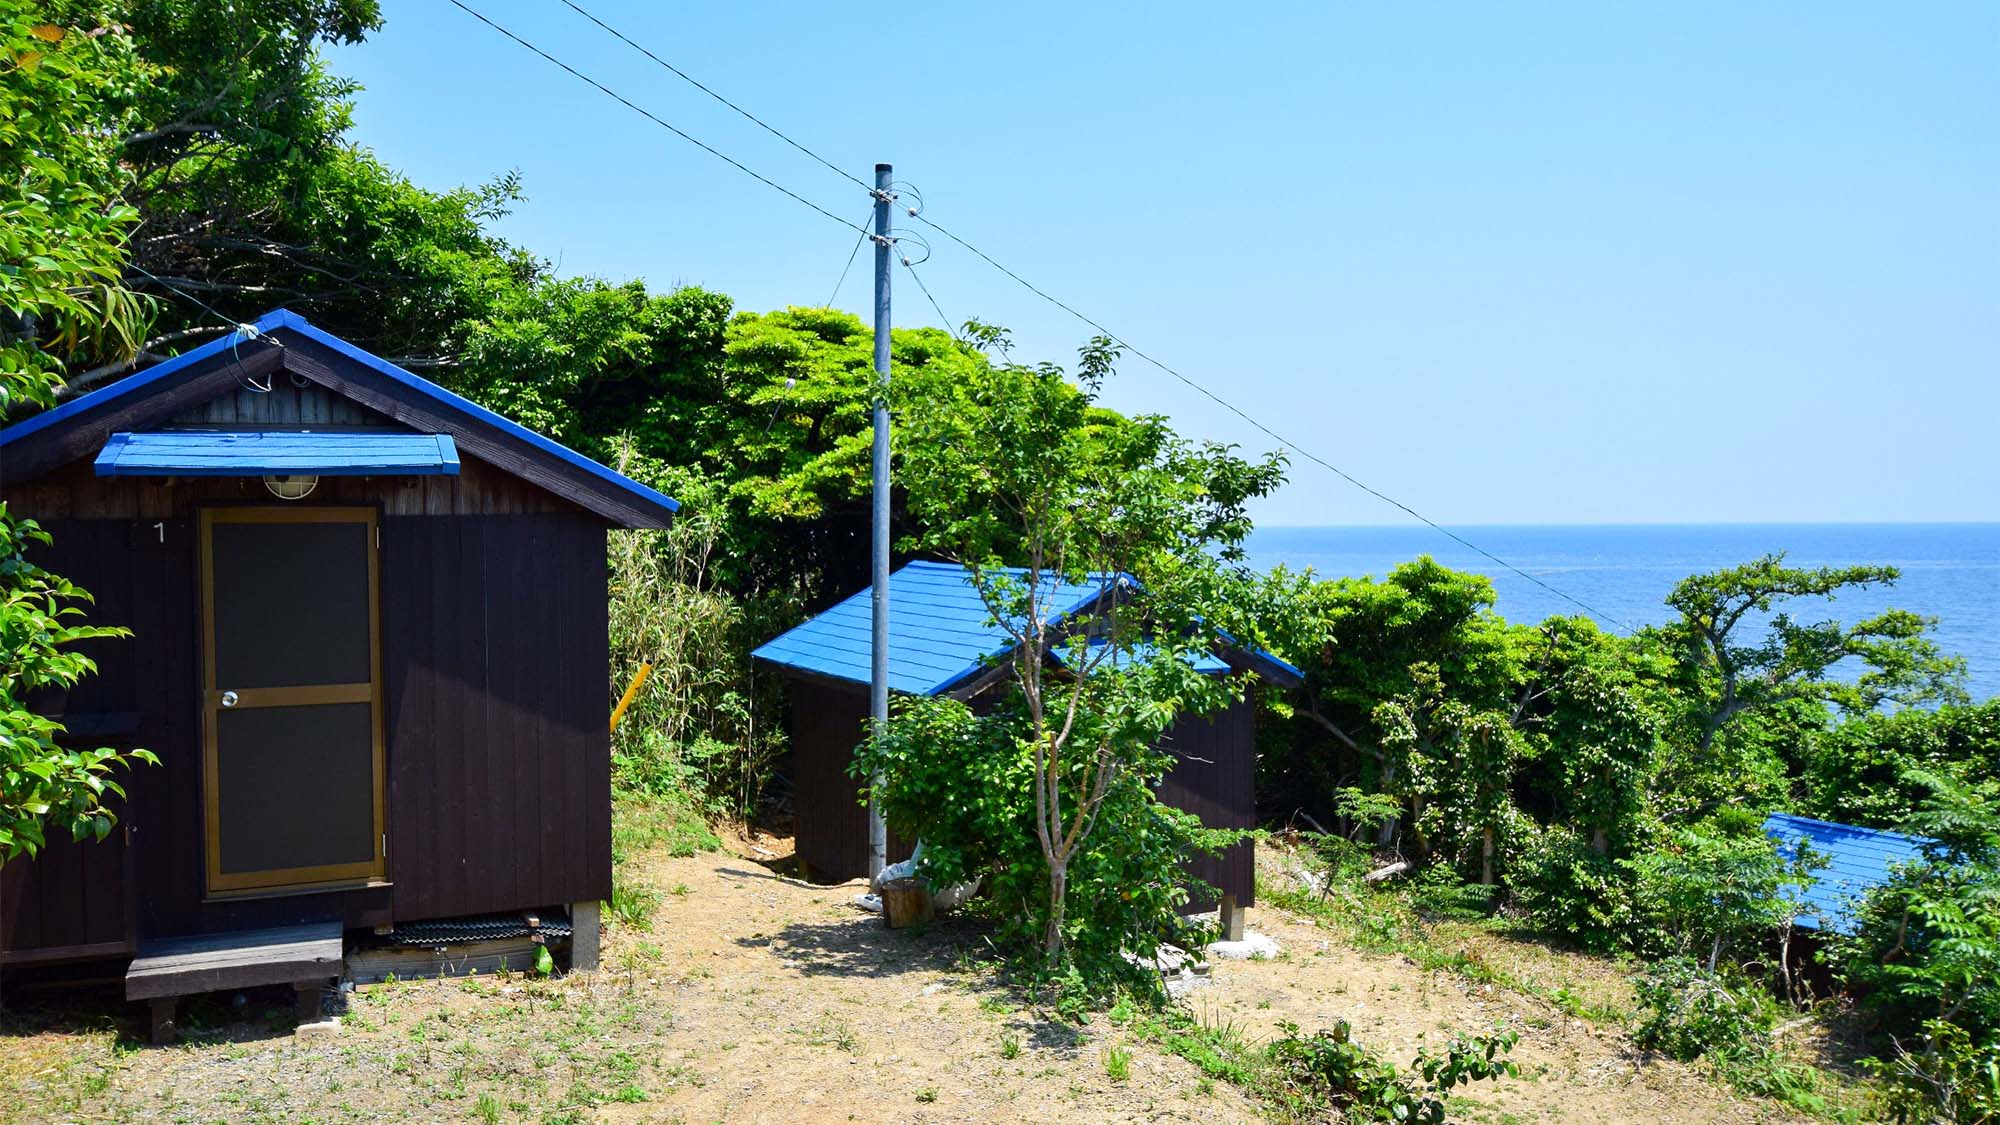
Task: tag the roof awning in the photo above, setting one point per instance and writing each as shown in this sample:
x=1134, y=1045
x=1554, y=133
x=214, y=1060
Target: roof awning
x=256, y=453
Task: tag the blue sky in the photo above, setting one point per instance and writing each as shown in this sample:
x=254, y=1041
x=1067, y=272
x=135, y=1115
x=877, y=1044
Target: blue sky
x=1704, y=263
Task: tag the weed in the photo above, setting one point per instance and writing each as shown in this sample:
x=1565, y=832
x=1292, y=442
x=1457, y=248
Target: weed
x=832, y=1031
x=633, y=904
x=927, y=1094
x=487, y=1109
x=1118, y=1064
x=1010, y=1045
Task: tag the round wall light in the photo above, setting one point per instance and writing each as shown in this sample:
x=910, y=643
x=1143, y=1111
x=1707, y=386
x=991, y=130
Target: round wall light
x=291, y=487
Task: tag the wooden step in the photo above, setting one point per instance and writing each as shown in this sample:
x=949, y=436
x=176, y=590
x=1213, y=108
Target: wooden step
x=305, y=957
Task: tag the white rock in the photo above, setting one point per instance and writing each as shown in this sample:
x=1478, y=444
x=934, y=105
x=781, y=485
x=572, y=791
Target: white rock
x=1253, y=946
x=319, y=1029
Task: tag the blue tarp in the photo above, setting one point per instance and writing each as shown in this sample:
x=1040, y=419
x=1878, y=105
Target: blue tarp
x=940, y=632
x=240, y=453
x=1858, y=859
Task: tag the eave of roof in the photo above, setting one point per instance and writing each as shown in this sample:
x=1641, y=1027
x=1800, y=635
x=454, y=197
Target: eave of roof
x=939, y=635
x=285, y=321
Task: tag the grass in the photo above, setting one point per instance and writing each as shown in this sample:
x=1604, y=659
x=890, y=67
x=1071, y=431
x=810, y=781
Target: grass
x=1384, y=923
x=641, y=823
x=1460, y=940
x=1117, y=1064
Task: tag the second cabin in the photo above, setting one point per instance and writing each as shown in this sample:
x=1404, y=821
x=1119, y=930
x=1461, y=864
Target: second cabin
x=943, y=642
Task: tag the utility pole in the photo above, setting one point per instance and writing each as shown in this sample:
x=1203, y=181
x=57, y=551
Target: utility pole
x=878, y=670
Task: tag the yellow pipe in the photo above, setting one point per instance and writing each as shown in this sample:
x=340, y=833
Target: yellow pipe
x=631, y=693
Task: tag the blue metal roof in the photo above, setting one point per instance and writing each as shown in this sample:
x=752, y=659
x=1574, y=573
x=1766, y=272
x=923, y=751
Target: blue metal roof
x=286, y=319
x=940, y=631
x=1858, y=859
x=238, y=453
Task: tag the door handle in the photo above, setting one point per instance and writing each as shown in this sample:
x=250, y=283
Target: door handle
x=229, y=699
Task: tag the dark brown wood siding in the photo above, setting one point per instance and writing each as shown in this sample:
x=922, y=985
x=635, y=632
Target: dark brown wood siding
x=496, y=669
x=830, y=824
x=1215, y=778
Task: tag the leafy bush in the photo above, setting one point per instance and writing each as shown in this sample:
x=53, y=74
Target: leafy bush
x=692, y=732
x=962, y=782
x=1686, y=1011
x=1563, y=886
x=1439, y=892
x=42, y=782
x=1949, y=1077
x=1924, y=958
x=1329, y=1067
x=1717, y=886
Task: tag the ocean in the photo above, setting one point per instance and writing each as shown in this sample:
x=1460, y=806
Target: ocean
x=1951, y=571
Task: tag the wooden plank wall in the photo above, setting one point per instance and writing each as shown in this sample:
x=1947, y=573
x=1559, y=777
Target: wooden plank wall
x=1215, y=778
x=497, y=677
x=74, y=896
x=498, y=681
x=830, y=827
x=287, y=403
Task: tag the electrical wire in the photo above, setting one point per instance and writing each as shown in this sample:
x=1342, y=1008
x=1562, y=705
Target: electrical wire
x=914, y=276
x=690, y=80
x=662, y=123
x=1281, y=439
x=851, y=255
x=238, y=330
x=916, y=214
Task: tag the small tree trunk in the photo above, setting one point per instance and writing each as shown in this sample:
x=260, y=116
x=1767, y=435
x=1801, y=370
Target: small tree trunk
x=1486, y=855
x=1052, y=938
x=1714, y=954
x=1386, y=835
x=1599, y=842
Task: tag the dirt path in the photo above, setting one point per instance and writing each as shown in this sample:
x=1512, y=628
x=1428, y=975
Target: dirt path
x=757, y=998
x=1572, y=1070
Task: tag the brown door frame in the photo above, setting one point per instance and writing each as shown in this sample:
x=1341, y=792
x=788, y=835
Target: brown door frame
x=290, y=879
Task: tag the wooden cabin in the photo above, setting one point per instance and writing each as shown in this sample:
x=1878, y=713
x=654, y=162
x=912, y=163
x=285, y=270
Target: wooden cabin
x=369, y=648
x=942, y=643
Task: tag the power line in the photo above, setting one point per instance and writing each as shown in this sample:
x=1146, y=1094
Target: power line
x=927, y=296
x=1028, y=285
x=668, y=126
x=851, y=255
x=692, y=81
x=1277, y=437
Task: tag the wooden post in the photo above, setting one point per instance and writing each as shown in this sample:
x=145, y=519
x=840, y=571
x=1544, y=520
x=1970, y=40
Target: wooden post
x=583, y=935
x=161, y=1023
x=1231, y=918
x=308, y=1001
x=907, y=902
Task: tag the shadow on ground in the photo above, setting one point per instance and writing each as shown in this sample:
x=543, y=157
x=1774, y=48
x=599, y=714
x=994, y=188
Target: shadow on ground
x=41, y=1007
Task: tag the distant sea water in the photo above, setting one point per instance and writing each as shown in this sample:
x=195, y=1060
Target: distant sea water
x=1951, y=571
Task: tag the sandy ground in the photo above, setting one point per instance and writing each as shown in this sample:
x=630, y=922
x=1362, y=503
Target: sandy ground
x=758, y=998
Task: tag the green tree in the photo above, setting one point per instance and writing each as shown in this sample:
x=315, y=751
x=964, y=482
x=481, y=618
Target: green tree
x=62, y=233
x=1373, y=638
x=1021, y=468
x=1729, y=668
x=1872, y=768
x=1717, y=885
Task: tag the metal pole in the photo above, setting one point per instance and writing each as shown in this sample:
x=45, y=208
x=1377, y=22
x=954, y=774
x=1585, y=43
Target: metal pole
x=878, y=671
